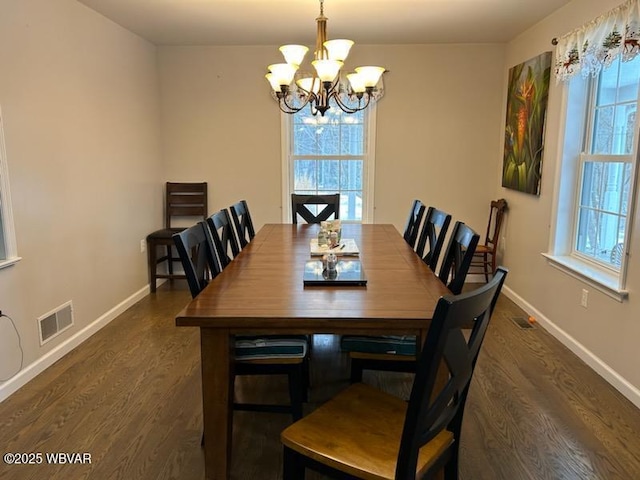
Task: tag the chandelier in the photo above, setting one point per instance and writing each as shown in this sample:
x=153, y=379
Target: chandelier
x=326, y=82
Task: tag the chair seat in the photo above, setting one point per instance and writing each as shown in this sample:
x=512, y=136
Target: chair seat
x=249, y=348
x=358, y=432
x=483, y=249
x=387, y=344
x=164, y=234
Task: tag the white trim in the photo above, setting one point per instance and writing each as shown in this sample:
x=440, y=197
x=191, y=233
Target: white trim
x=31, y=371
x=9, y=231
x=285, y=148
x=605, y=371
x=370, y=168
x=607, y=282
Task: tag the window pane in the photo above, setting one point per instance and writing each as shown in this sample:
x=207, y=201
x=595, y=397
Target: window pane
x=603, y=131
x=351, y=206
x=329, y=175
x=624, y=129
x=351, y=175
x=305, y=141
x=628, y=82
x=304, y=176
x=328, y=139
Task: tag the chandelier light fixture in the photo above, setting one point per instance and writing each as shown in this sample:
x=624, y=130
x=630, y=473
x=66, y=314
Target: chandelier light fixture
x=325, y=83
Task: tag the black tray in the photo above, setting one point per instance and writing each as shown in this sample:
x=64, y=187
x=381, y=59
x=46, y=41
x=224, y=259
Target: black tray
x=348, y=272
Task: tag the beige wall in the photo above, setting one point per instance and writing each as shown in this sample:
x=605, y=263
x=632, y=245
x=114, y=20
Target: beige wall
x=438, y=126
x=79, y=98
x=606, y=333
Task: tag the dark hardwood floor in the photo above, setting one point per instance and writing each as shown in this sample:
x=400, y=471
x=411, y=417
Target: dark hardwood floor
x=130, y=397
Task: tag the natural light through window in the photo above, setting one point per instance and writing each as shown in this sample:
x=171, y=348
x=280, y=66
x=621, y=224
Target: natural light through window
x=331, y=154
x=598, y=176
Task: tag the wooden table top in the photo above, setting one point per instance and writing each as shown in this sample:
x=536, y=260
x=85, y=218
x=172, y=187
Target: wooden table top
x=262, y=290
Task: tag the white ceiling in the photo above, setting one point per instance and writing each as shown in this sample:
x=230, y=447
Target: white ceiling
x=275, y=22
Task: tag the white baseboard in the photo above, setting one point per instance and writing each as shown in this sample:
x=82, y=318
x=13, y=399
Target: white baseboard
x=31, y=371
x=604, y=370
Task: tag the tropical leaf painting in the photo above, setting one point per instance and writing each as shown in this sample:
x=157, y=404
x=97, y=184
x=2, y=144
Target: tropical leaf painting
x=527, y=96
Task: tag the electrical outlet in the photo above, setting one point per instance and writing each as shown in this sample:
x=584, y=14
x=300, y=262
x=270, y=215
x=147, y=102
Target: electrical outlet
x=585, y=297
x=143, y=246
x=503, y=242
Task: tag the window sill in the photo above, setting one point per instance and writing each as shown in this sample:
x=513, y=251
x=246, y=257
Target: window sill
x=9, y=261
x=605, y=282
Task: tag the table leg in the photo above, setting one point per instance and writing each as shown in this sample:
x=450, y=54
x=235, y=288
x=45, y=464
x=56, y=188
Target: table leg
x=217, y=402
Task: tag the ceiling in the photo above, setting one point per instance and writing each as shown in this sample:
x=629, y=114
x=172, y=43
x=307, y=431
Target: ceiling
x=275, y=22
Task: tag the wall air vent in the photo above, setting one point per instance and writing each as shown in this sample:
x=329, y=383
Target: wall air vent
x=55, y=322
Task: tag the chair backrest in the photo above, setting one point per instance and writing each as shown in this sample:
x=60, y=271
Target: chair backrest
x=457, y=259
x=496, y=214
x=242, y=220
x=299, y=207
x=224, y=238
x=428, y=413
x=185, y=200
x=434, y=230
x=197, y=254
x=412, y=226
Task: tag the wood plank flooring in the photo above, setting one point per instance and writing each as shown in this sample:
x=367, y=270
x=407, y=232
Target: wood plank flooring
x=130, y=396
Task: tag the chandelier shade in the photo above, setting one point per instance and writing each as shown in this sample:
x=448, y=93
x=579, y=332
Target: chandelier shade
x=326, y=86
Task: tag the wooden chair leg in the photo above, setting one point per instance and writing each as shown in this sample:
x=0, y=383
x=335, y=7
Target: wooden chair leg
x=356, y=371
x=295, y=391
x=485, y=262
x=169, y=260
x=292, y=468
x=152, y=259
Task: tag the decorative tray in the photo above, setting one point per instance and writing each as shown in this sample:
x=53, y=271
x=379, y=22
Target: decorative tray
x=347, y=273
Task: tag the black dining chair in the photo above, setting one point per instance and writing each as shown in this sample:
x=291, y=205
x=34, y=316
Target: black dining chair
x=254, y=354
x=412, y=225
x=322, y=207
x=398, y=353
x=224, y=238
x=243, y=223
x=366, y=433
x=433, y=233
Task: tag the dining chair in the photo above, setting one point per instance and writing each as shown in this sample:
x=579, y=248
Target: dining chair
x=434, y=231
x=254, y=354
x=224, y=238
x=397, y=353
x=366, y=433
x=243, y=223
x=485, y=258
x=412, y=226
x=181, y=200
x=300, y=206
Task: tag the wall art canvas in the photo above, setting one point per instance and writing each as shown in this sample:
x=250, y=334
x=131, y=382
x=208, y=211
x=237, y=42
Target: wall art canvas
x=527, y=97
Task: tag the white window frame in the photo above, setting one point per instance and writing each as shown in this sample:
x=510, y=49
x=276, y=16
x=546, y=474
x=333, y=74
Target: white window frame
x=6, y=223
x=577, y=97
x=368, y=173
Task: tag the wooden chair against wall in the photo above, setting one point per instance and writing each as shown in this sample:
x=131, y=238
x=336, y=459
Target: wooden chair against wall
x=243, y=223
x=181, y=200
x=300, y=206
x=412, y=226
x=485, y=258
x=398, y=353
x=369, y=434
x=434, y=231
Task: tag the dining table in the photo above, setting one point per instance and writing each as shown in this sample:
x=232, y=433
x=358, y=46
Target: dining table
x=262, y=291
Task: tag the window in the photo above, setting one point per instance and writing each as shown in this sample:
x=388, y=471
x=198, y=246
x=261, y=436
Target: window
x=600, y=149
x=331, y=154
x=607, y=165
x=8, y=255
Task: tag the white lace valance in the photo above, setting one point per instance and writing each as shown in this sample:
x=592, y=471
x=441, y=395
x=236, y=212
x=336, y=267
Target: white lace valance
x=596, y=44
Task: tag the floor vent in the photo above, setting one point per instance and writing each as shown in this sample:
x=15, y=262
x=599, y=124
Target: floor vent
x=521, y=322
x=55, y=322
